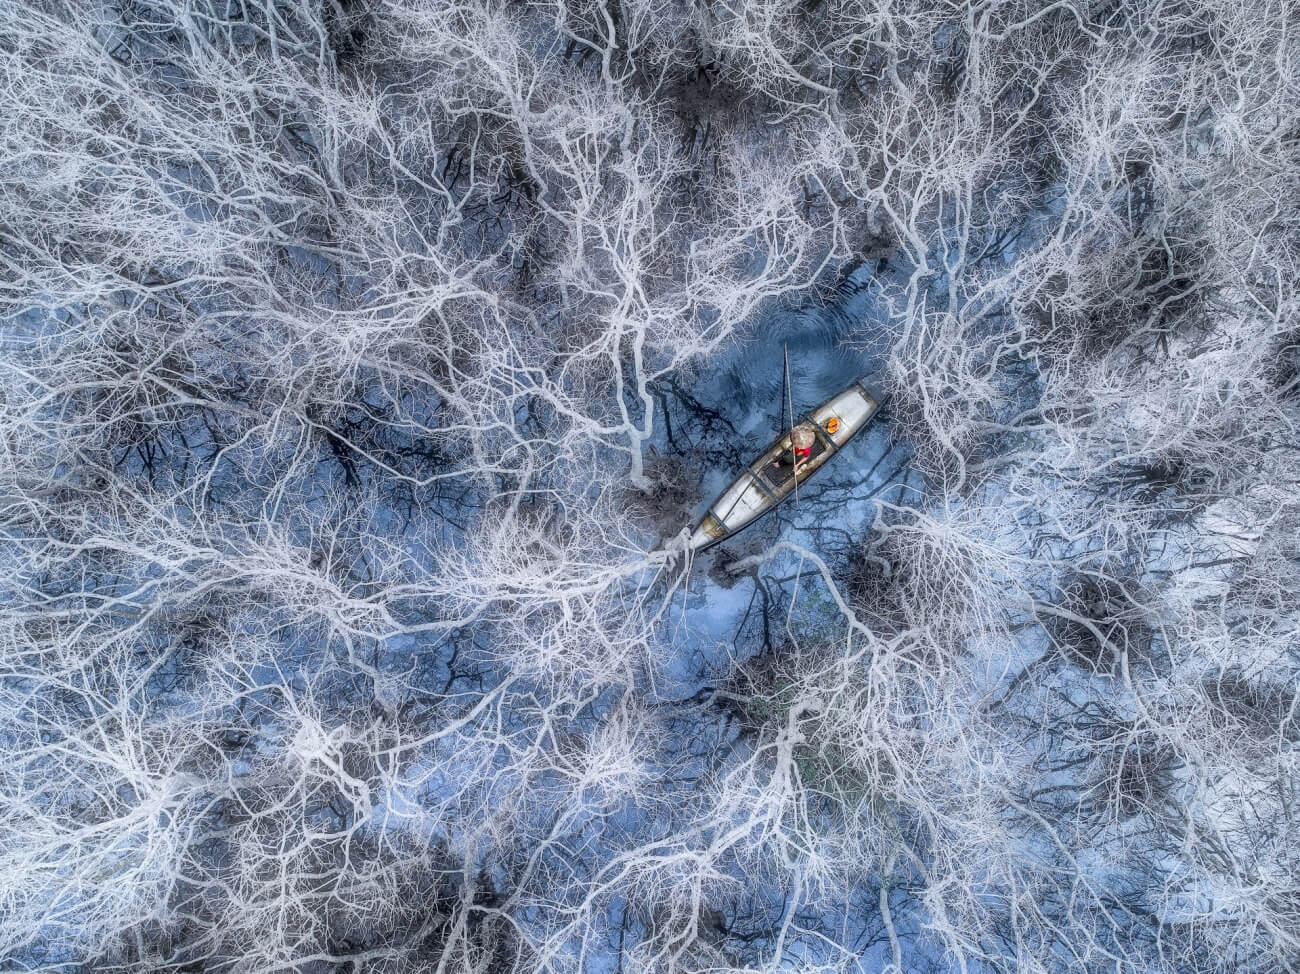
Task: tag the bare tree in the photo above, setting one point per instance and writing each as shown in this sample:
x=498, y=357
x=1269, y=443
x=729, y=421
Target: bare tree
x=341, y=346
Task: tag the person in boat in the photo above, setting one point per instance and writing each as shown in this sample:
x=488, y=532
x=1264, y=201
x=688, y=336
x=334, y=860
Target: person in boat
x=803, y=439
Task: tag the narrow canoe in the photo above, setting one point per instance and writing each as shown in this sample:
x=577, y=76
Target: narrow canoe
x=771, y=479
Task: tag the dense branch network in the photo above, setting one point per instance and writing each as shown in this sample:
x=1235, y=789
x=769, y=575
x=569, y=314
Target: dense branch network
x=355, y=364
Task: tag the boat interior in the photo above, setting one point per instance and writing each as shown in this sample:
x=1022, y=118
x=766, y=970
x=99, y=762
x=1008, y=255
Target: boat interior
x=777, y=467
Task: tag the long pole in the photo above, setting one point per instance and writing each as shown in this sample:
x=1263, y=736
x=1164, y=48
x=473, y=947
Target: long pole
x=786, y=349
x=789, y=394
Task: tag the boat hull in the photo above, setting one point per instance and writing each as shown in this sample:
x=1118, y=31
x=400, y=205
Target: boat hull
x=768, y=480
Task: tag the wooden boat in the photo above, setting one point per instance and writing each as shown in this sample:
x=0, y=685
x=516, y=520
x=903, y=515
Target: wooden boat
x=773, y=476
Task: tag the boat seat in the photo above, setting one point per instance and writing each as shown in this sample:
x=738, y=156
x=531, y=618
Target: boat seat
x=780, y=474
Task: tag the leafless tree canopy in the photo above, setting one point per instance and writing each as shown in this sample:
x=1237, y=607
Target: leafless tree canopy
x=356, y=365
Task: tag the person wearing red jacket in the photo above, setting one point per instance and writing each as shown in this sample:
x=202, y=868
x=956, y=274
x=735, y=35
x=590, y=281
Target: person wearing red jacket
x=803, y=439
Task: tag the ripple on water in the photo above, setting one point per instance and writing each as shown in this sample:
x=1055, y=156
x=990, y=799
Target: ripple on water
x=750, y=377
